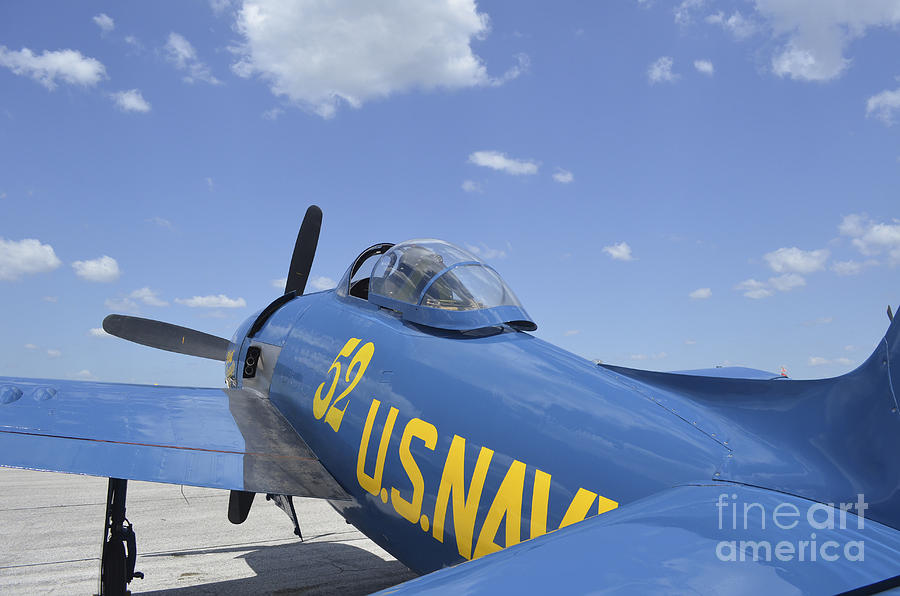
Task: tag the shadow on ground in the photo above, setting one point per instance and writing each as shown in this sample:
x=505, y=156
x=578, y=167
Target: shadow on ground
x=310, y=568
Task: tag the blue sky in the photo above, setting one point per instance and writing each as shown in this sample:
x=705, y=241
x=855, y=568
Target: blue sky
x=665, y=185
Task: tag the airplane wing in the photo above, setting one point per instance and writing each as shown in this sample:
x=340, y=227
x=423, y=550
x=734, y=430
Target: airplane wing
x=676, y=542
x=219, y=438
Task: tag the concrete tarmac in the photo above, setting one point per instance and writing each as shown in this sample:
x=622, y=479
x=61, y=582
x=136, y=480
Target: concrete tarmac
x=51, y=526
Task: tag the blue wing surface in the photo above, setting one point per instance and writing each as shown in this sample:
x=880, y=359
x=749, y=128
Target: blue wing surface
x=674, y=542
x=219, y=438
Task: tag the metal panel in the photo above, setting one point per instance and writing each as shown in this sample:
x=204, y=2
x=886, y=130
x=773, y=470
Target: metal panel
x=204, y=437
x=670, y=542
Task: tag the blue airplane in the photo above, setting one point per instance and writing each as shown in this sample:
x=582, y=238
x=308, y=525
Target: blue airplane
x=413, y=397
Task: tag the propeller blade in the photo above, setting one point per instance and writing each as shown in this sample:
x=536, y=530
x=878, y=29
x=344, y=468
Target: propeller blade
x=304, y=251
x=166, y=336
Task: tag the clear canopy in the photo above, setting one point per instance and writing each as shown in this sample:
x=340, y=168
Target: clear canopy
x=436, y=274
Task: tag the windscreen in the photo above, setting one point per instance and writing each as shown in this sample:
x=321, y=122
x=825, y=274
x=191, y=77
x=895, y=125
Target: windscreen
x=469, y=287
x=404, y=271
x=434, y=283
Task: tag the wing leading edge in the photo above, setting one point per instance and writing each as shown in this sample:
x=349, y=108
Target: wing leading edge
x=218, y=438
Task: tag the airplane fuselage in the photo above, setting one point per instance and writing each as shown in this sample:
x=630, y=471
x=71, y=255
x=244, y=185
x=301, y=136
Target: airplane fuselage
x=412, y=398
x=453, y=447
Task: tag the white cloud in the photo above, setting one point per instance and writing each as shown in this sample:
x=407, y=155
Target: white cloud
x=31, y=347
x=122, y=304
x=850, y=267
x=131, y=101
x=871, y=237
x=619, y=252
x=754, y=289
x=819, y=31
x=853, y=225
x=795, y=260
x=563, y=176
x=485, y=252
x=690, y=342
x=661, y=71
x=737, y=24
x=321, y=283
x=54, y=353
x=219, y=6
x=883, y=105
x=705, y=67
x=182, y=54
x=219, y=301
x=105, y=22
x=878, y=237
x=523, y=62
x=24, y=257
x=52, y=299
x=98, y=332
x=321, y=54
x=808, y=38
x=209, y=183
x=471, y=186
x=799, y=63
x=701, y=293
x=787, y=282
x=499, y=161
x=85, y=374
x=315, y=283
x=68, y=66
x=819, y=361
x=104, y=269
x=684, y=11
x=148, y=297
x=572, y=332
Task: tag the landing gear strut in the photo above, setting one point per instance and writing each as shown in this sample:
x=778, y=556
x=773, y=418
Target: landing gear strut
x=119, y=550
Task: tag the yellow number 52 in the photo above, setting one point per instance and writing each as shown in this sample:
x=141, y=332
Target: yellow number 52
x=333, y=414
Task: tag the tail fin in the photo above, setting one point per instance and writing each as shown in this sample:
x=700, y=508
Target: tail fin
x=882, y=367
x=829, y=440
